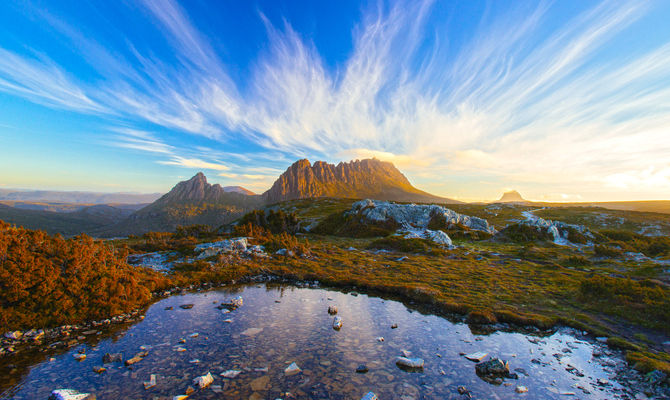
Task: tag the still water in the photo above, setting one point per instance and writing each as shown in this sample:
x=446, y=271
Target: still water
x=279, y=325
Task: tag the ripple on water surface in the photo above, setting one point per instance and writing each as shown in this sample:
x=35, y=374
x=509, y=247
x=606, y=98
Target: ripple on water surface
x=281, y=325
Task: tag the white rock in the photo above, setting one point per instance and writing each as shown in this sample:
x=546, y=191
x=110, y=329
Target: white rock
x=292, y=369
x=521, y=389
x=476, y=357
x=380, y=339
x=70, y=394
x=203, y=381
x=231, y=373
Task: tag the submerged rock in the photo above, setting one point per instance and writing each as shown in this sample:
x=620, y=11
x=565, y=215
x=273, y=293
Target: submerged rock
x=494, y=370
x=204, y=380
x=337, y=323
x=332, y=310
x=70, y=394
x=186, y=306
x=231, y=373
x=412, y=363
x=151, y=383
x=476, y=357
x=369, y=396
x=292, y=369
x=361, y=369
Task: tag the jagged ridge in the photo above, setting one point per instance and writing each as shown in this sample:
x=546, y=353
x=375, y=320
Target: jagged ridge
x=369, y=178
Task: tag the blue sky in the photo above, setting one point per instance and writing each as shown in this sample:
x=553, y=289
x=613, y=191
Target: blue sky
x=563, y=100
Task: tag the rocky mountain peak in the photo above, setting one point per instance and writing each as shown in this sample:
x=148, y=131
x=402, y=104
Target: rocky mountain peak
x=355, y=179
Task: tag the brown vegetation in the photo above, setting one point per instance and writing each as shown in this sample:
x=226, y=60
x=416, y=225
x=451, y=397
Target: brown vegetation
x=48, y=280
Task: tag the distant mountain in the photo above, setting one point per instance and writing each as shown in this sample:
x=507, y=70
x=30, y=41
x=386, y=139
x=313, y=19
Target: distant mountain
x=87, y=219
x=512, y=197
x=369, y=178
x=238, y=189
x=194, y=201
x=76, y=197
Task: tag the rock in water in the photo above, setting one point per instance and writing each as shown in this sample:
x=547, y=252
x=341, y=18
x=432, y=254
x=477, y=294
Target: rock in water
x=203, y=381
x=361, y=369
x=493, y=369
x=337, y=323
x=231, y=373
x=332, y=310
x=80, y=357
x=370, y=396
x=70, y=394
x=476, y=357
x=412, y=363
x=151, y=383
x=112, y=358
x=521, y=389
x=292, y=369
x=186, y=306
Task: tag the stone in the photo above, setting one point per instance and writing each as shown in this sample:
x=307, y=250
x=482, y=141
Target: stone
x=70, y=394
x=231, y=373
x=369, y=396
x=137, y=358
x=406, y=353
x=494, y=368
x=252, y=331
x=14, y=335
x=412, y=363
x=476, y=357
x=521, y=389
x=292, y=369
x=204, y=380
x=186, y=306
x=337, y=323
x=99, y=370
x=189, y=390
x=151, y=383
x=361, y=369
x=394, y=326
x=332, y=310
x=193, y=335
x=260, y=384
x=380, y=339
x=80, y=356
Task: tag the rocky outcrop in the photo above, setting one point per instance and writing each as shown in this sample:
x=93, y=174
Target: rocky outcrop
x=369, y=178
x=413, y=216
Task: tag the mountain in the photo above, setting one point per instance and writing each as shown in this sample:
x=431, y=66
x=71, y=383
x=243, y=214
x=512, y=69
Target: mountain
x=238, y=189
x=86, y=219
x=512, y=197
x=369, y=178
x=194, y=201
x=76, y=197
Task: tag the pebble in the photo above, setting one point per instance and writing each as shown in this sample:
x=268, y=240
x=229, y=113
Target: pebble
x=337, y=323
x=476, y=357
x=292, y=369
x=231, y=373
x=409, y=362
x=151, y=383
x=521, y=389
x=361, y=369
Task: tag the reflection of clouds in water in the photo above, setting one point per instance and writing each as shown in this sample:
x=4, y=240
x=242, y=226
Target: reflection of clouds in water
x=299, y=329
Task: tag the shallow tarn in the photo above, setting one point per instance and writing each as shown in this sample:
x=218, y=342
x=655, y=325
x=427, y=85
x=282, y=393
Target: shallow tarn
x=279, y=325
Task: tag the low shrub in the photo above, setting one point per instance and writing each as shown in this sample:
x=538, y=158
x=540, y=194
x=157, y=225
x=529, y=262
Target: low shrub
x=352, y=225
x=398, y=243
x=522, y=233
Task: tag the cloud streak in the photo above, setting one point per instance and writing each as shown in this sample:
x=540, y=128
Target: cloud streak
x=517, y=110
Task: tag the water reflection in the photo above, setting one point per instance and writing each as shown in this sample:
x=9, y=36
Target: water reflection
x=279, y=325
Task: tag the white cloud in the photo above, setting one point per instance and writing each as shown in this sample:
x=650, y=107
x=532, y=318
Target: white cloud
x=195, y=163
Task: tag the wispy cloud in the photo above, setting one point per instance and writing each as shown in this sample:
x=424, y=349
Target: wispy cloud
x=513, y=104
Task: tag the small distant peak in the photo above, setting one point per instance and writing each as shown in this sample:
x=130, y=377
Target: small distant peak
x=512, y=196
